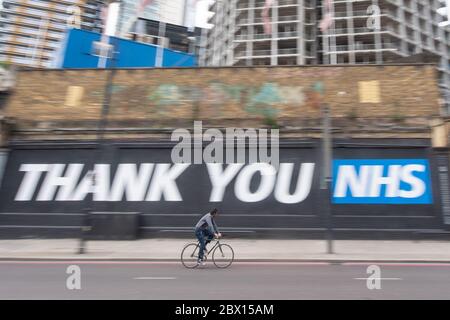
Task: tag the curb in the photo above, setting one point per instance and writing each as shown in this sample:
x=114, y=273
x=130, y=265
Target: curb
x=300, y=261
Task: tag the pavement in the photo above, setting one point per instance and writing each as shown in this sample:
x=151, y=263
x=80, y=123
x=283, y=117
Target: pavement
x=245, y=250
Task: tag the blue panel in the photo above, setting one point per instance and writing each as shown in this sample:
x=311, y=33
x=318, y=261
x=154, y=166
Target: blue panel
x=133, y=54
x=381, y=181
x=79, y=48
x=178, y=59
x=130, y=54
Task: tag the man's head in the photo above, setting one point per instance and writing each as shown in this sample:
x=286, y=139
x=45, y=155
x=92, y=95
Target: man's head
x=214, y=212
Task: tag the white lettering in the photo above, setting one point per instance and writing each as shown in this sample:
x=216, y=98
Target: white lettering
x=54, y=179
x=348, y=178
x=163, y=182
x=304, y=183
x=242, y=185
x=97, y=184
x=392, y=181
x=221, y=178
x=134, y=184
x=30, y=180
x=417, y=185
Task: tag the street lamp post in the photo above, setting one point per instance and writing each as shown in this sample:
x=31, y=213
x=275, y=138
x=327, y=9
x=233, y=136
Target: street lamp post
x=110, y=77
x=327, y=176
x=101, y=143
x=327, y=155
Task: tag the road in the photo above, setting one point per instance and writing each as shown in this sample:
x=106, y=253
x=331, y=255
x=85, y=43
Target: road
x=243, y=280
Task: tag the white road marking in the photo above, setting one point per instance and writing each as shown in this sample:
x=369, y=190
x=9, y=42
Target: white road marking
x=154, y=278
x=378, y=278
x=399, y=264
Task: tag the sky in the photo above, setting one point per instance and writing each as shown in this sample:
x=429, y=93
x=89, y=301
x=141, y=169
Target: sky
x=202, y=14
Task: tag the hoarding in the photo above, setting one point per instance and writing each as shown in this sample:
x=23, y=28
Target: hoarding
x=373, y=188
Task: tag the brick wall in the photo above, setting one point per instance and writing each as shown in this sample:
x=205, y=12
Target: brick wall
x=55, y=104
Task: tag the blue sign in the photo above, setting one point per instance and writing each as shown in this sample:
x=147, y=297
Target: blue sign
x=381, y=181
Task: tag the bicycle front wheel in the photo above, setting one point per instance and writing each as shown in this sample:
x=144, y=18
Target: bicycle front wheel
x=223, y=256
x=189, y=255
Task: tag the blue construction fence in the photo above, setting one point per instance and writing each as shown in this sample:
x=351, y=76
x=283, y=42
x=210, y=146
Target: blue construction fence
x=79, y=50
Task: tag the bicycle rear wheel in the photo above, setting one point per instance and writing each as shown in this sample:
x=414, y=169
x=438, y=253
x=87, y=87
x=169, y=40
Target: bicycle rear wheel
x=189, y=255
x=223, y=256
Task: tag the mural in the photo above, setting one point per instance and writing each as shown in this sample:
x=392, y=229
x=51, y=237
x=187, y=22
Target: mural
x=263, y=100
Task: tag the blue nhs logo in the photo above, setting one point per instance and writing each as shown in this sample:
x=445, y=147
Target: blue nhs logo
x=381, y=181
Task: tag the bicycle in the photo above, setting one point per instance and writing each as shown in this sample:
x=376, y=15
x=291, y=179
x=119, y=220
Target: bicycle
x=222, y=255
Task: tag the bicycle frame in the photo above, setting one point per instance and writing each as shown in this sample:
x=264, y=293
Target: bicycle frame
x=225, y=254
x=217, y=244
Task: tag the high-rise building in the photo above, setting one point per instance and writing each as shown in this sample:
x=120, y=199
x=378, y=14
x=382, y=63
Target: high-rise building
x=167, y=23
x=31, y=31
x=362, y=31
x=238, y=36
x=168, y=11
x=175, y=37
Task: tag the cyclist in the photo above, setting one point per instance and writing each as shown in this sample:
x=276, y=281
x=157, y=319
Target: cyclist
x=205, y=230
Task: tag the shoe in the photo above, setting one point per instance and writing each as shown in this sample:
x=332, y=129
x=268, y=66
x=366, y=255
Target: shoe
x=201, y=263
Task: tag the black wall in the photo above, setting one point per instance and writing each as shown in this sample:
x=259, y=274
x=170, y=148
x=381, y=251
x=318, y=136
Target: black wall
x=268, y=218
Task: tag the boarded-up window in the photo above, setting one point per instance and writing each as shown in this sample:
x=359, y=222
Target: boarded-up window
x=369, y=91
x=74, y=96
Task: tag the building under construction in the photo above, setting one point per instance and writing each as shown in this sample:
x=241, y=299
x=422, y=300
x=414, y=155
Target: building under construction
x=32, y=31
x=362, y=32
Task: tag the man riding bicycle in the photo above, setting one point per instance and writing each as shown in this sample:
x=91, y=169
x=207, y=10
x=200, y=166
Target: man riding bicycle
x=205, y=230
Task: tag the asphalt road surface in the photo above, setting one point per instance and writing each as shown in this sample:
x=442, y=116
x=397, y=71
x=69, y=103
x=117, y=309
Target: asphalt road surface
x=243, y=280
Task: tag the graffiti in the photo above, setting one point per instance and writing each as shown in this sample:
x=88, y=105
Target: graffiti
x=293, y=95
x=262, y=102
x=215, y=94
x=166, y=94
x=255, y=99
x=116, y=88
x=215, y=98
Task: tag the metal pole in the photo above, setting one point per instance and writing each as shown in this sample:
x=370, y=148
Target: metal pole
x=327, y=175
x=101, y=129
x=160, y=49
x=110, y=80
